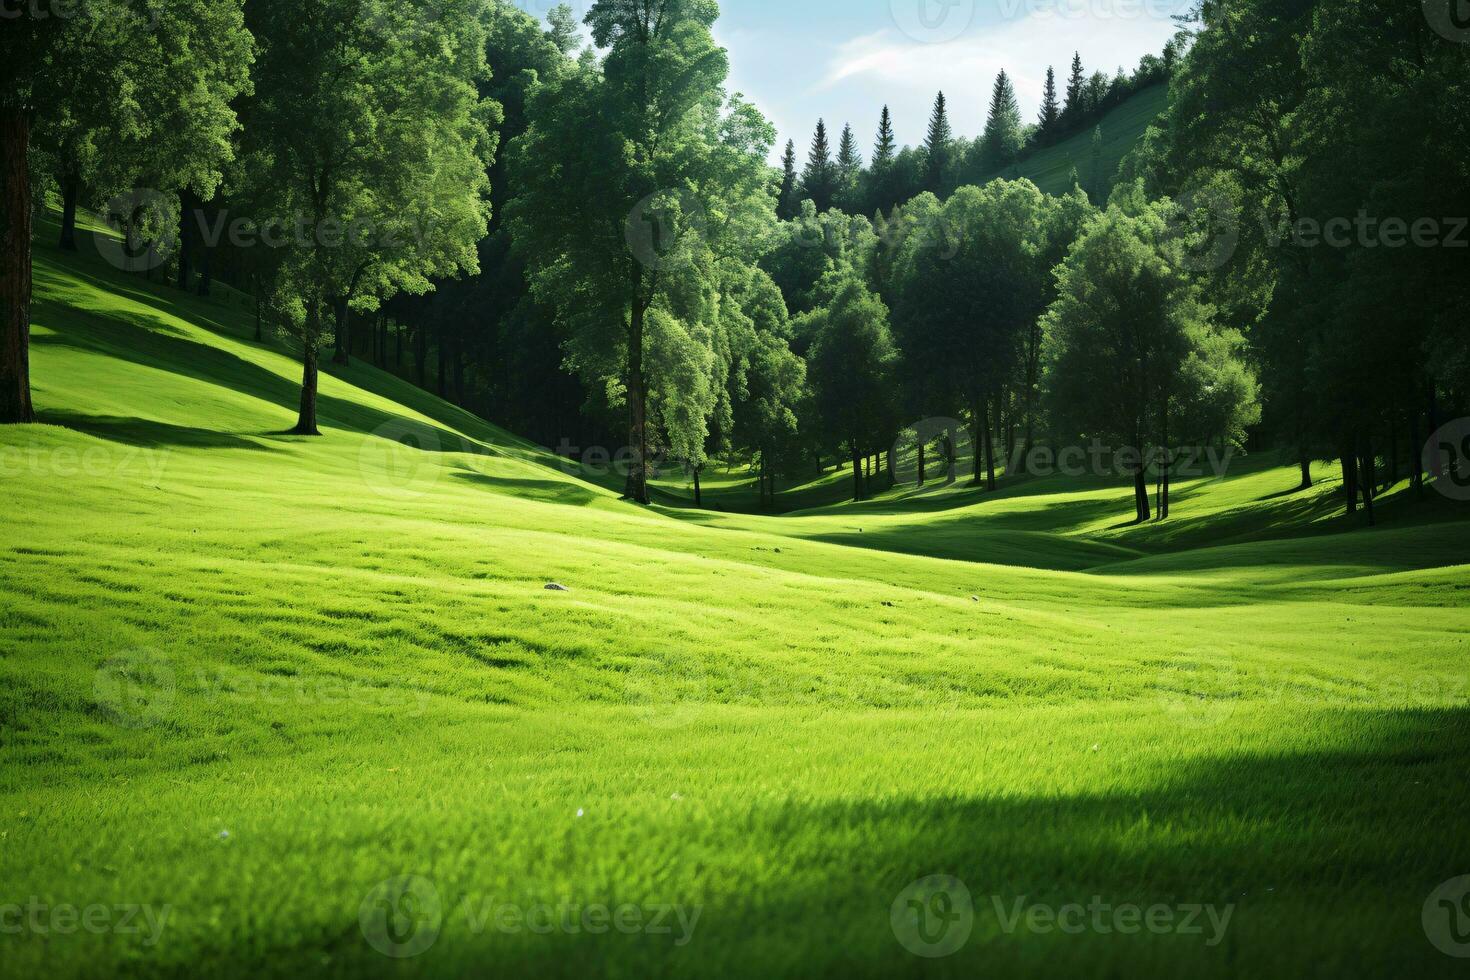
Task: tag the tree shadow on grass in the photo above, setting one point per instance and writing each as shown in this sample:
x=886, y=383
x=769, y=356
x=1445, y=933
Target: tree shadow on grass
x=546, y=491
x=1323, y=857
x=148, y=432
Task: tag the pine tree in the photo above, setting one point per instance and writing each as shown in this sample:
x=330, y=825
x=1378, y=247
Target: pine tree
x=819, y=179
x=1001, y=143
x=1073, y=111
x=938, y=147
x=787, y=204
x=849, y=170
x=887, y=146
x=1050, y=110
x=1096, y=175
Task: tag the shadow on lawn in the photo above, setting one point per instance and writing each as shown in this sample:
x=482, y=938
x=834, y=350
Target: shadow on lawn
x=147, y=432
x=1325, y=858
x=546, y=491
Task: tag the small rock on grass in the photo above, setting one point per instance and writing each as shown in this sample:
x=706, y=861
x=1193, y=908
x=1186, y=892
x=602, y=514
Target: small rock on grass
x=554, y=587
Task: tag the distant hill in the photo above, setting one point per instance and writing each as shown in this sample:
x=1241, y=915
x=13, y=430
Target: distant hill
x=1050, y=168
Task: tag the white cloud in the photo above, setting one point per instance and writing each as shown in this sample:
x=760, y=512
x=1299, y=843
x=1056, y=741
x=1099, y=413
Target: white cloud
x=900, y=69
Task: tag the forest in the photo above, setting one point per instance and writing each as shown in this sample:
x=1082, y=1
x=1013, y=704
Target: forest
x=582, y=237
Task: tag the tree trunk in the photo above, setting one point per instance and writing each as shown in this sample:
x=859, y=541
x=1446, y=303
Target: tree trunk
x=857, y=475
x=989, y=446
x=1367, y=480
x=342, y=333
x=306, y=421
x=71, y=189
x=698, y=495
x=1306, y=465
x=15, y=269
x=1140, y=493
x=204, y=257
x=186, y=241
x=1416, y=454
x=637, y=488
x=1350, y=478
x=256, y=281
x=921, y=461
x=421, y=355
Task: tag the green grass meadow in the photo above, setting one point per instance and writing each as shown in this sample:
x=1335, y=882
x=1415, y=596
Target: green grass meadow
x=247, y=678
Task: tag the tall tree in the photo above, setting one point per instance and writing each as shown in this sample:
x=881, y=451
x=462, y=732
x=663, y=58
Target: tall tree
x=938, y=148
x=1050, y=109
x=1075, y=107
x=788, y=201
x=1003, y=139
x=851, y=368
x=882, y=189
x=563, y=29
x=819, y=179
x=633, y=181
x=849, y=170
x=384, y=212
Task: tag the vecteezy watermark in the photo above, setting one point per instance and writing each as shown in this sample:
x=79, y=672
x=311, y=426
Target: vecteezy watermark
x=1093, y=9
x=41, y=918
x=144, y=220
x=1200, y=691
x=1449, y=18
x=933, y=21
x=40, y=10
x=933, y=917
x=404, y=916
x=401, y=459
x=1446, y=917
x=1447, y=459
x=665, y=229
x=136, y=688
x=93, y=462
x=1205, y=228
x=1097, y=916
x=1370, y=231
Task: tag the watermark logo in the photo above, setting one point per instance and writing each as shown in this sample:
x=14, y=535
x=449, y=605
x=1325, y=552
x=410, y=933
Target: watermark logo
x=1201, y=691
x=667, y=692
x=666, y=229
x=401, y=459
x=933, y=917
x=1104, y=918
x=41, y=918
x=143, y=220
x=1205, y=227
x=1447, y=459
x=933, y=21
x=1449, y=18
x=1447, y=917
x=402, y=916
x=137, y=688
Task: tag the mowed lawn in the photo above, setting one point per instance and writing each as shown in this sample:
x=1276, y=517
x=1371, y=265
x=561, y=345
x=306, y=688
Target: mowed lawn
x=247, y=678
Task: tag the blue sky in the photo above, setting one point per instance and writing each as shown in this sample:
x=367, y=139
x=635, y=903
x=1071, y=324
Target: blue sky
x=841, y=60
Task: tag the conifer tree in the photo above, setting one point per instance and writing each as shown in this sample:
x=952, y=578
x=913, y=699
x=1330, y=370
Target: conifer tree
x=819, y=180
x=938, y=147
x=1074, y=109
x=1002, y=140
x=788, y=204
x=1050, y=110
x=849, y=170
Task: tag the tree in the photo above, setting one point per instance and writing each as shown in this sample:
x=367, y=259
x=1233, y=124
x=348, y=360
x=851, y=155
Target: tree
x=851, y=370
x=1096, y=179
x=819, y=179
x=849, y=170
x=1002, y=140
x=1126, y=321
x=138, y=91
x=563, y=29
x=1050, y=111
x=633, y=182
x=381, y=213
x=788, y=203
x=1075, y=107
x=883, y=193
x=938, y=149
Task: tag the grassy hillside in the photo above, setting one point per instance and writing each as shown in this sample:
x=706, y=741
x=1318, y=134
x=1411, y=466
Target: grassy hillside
x=1051, y=168
x=246, y=678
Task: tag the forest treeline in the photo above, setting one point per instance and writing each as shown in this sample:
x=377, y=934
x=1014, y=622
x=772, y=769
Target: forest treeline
x=579, y=236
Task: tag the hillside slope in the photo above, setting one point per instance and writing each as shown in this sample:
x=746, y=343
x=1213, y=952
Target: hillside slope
x=250, y=677
x=1050, y=168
